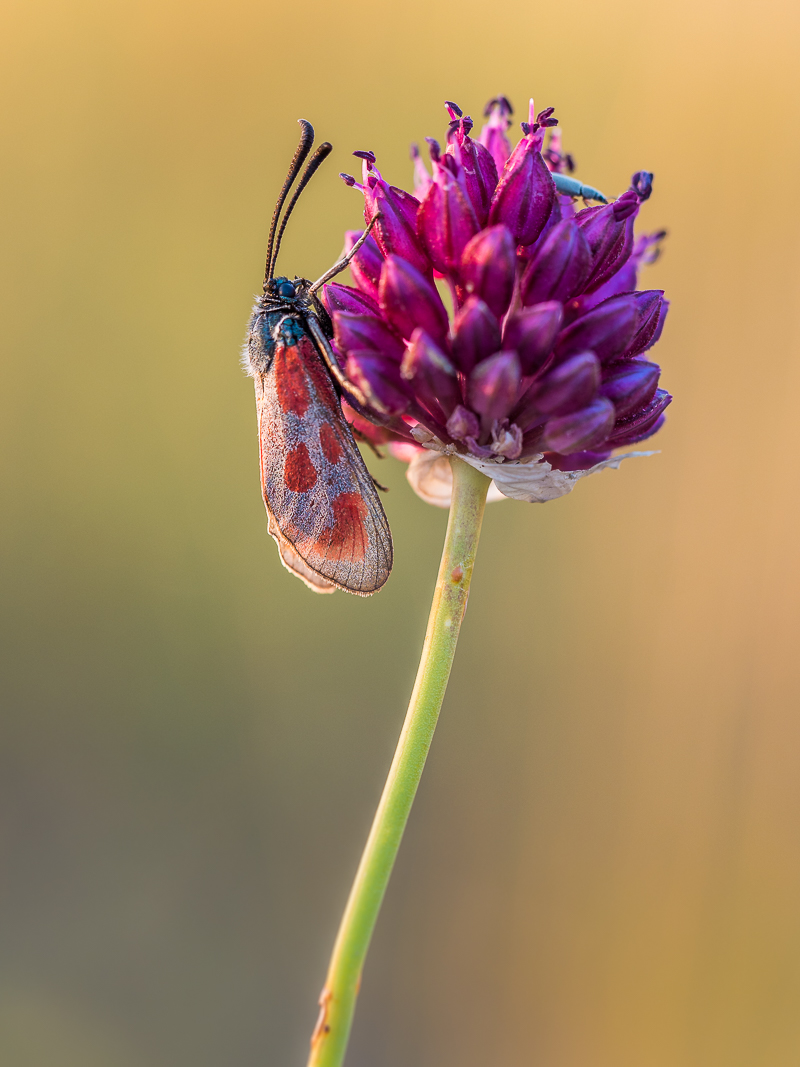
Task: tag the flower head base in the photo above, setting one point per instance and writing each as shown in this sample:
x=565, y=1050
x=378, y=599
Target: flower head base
x=540, y=372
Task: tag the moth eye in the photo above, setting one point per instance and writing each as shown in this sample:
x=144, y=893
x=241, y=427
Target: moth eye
x=286, y=290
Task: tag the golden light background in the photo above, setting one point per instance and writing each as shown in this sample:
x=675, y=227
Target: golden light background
x=603, y=867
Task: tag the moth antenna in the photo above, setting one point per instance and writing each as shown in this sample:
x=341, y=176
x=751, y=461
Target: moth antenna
x=321, y=153
x=306, y=141
x=337, y=268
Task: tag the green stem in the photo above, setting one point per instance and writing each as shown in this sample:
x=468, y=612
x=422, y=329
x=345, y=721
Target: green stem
x=338, y=999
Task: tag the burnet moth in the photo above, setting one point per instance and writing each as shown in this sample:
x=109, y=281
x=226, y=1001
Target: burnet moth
x=322, y=506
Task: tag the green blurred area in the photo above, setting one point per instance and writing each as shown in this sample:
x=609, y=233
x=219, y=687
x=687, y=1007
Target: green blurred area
x=602, y=869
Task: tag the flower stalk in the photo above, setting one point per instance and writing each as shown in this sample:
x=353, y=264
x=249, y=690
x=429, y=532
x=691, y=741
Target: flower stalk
x=338, y=998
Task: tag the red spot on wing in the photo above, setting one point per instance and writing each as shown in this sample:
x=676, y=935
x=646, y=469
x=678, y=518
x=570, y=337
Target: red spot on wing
x=331, y=449
x=290, y=379
x=347, y=538
x=299, y=473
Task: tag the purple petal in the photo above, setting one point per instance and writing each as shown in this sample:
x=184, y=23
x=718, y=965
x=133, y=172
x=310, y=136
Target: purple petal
x=532, y=333
x=524, y=196
x=433, y=378
x=488, y=268
x=493, y=135
x=409, y=300
x=630, y=385
x=446, y=221
x=570, y=386
x=648, y=304
x=607, y=330
x=396, y=229
x=476, y=334
x=366, y=265
x=479, y=175
x=575, y=461
x=346, y=298
x=379, y=379
x=582, y=430
x=365, y=333
x=609, y=233
x=642, y=423
x=560, y=267
x=494, y=386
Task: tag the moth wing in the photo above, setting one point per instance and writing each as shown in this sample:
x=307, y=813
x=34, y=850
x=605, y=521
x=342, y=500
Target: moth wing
x=292, y=561
x=324, y=511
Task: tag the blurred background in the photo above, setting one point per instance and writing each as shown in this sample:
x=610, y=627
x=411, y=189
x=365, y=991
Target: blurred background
x=602, y=869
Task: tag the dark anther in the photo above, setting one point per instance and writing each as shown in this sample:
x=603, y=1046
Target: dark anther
x=501, y=102
x=642, y=183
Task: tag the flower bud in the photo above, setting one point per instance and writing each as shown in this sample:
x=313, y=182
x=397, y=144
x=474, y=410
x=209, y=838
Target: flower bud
x=641, y=424
x=648, y=304
x=662, y=314
x=488, y=266
x=365, y=333
x=394, y=233
x=494, y=385
x=379, y=380
x=463, y=423
x=582, y=430
x=478, y=168
x=630, y=385
x=568, y=387
x=409, y=300
x=493, y=135
x=480, y=177
x=532, y=333
x=446, y=220
x=366, y=264
x=346, y=298
x=525, y=193
x=609, y=233
x=606, y=330
x=560, y=267
x=422, y=179
x=476, y=334
x=433, y=377
x=396, y=229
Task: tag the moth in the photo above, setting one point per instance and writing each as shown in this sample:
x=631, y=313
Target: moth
x=322, y=506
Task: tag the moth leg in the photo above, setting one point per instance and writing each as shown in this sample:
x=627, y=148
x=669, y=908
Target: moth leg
x=377, y=484
x=328, y=358
x=359, y=436
x=337, y=268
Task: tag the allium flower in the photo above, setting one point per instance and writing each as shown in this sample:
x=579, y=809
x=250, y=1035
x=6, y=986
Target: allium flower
x=538, y=370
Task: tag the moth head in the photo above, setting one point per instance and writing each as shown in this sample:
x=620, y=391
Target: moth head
x=282, y=288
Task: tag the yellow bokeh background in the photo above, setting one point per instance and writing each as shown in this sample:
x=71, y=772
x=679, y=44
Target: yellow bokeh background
x=603, y=866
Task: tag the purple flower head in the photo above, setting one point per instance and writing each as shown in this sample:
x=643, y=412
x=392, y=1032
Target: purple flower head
x=492, y=320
